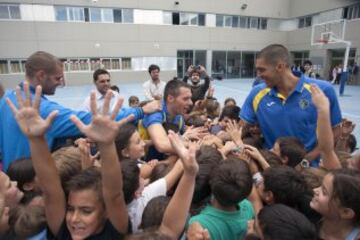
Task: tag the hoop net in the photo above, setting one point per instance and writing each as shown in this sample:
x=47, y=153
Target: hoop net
x=327, y=32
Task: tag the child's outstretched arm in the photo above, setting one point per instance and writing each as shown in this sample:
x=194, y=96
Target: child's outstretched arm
x=180, y=203
x=325, y=134
x=34, y=127
x=103, y=130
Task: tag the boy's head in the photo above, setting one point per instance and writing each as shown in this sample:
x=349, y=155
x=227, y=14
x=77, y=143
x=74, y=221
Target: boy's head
x=290, y=149
x=283, y=185
x=231, y=182
x=154, y=212
x=85, y=214
x=12, y=195
x=208, y=159
x=23, y=173
x=134, y=101
x=132, y=186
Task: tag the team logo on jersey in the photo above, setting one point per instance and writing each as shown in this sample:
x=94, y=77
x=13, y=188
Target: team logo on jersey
x=303, y=103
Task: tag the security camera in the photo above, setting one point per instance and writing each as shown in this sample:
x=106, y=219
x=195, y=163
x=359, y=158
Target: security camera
x=176, y=3
x=244, y=6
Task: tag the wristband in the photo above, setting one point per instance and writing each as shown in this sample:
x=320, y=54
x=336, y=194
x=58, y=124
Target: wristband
x=257, y=178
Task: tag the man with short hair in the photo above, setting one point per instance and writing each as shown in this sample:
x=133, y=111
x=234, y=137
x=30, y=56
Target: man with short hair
x=308, y=69
x=154, y=88
x=282, y=105
x=102, y=83
x=176, y=102
x=198, y=89
x=45, y=70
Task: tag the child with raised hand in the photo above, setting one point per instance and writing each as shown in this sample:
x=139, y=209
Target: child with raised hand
x=325, y=134
x=83, y=216
x=176, y=212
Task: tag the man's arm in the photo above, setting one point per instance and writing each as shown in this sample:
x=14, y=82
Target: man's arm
x=34, y=128
x=159, y=138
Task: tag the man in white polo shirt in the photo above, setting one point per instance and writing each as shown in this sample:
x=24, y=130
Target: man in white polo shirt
x=154, y=88
x=103, y=83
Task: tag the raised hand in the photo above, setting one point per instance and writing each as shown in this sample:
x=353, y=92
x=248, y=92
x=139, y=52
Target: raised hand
x=320, y=101
x=103, y=128
x=27, y=114
x=187, y=156
x=235, y=132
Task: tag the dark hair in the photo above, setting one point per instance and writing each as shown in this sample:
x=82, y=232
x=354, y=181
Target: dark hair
x=278, y=221
x=231, y=182
x=229, y=100
x=27, y=221
x=231, y=112
x=154, y=211
x=149, y=234
x=22, y=171
x=208, y=159
x=153, y=67
x=172, y=88
x=292, y=148
x=273, y=159
x=195, y=120
x=308, y=62
x=123, y=138
x=98, y=72
x=351, y=142
x=275, y=53
x=253, y=141
x=286, y=184
x=133, y=99
x=159, y=171
x=131, y=173
x=212, y=107
x=115, y=88
x=41, y=60
x=346, y=189
x=89, y=178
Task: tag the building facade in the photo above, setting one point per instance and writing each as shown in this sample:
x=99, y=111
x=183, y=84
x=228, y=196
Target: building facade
x=126, y=36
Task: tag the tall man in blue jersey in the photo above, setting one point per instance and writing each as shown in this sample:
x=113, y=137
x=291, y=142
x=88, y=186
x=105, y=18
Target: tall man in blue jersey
x=46, y=70
x=282, y=105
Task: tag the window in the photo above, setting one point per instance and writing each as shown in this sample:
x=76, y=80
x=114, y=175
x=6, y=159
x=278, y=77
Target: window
x=235, y=21
x=263, y=23
x=175, y=18
x=305, y=22
x=352, y=12
x=219, y=20
x=9, y=12
x=228, y=21
x=76, y=14
x=95, y=63
x=254, y=22
x=167, y=18
x=115, y=64
x=84, y=64
x=188, y=19
x=15, y=66
x=95, y=14
x=4, y=67
x=117, y=15
x=106, y=63
x=300, y=57
x=201, y=19
x=308, y=21
x=126, y=63
x=107, y=15
x=128, y=16
x=23, y=65
x=243, y=22
x=301, y=22
x=60, y=13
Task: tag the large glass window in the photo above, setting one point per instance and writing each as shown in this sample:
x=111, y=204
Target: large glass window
x=200, y=57
x=9, y=11
x=117, y=15
x=115, y=64
x=175, y=18
x=4, y=67
x=185, y=58
x=243, y=22
x=233, y=64
x=254, y=22
x=15, y=66
x=248, y=65
x=128, y=15
x=228, y=21
x=218, y=64
x=263, y=23
x=76, y=14
x=167, y=18
x=107, y=14
x=219, y=20
x=60, y=13
x=95, y=14
x=201, y=19
x=126, y=63
x=235, y=21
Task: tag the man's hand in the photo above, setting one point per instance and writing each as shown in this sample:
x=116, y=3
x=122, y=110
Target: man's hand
x=320, y=101
x=103, y=128
x=27, y=115
x=151, y=107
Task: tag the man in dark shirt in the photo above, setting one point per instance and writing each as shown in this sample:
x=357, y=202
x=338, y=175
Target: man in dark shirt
x=198, y=89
